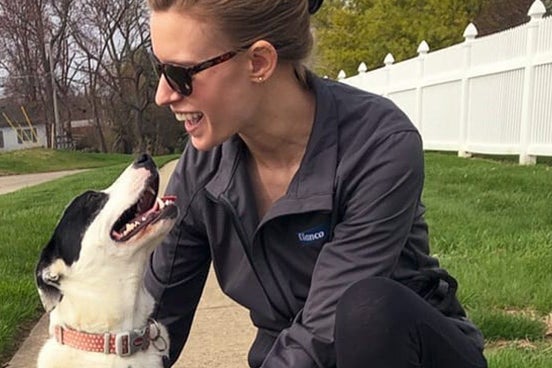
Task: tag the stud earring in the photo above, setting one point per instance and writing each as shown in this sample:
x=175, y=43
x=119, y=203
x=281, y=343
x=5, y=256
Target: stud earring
x=260, y=79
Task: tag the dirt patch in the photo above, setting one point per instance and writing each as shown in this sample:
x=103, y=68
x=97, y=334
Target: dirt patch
x=548, y=322
x=519, y=344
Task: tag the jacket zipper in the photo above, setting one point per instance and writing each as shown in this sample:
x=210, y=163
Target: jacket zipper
x=246, y=245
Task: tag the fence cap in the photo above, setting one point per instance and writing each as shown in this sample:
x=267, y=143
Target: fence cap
x=389, y=59
x=471, y=32
x=362, y=68
x=423, y=48
x=341, y=74
x=537, y=10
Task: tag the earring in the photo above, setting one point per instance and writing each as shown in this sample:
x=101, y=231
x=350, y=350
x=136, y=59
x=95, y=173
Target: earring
x=260, y=79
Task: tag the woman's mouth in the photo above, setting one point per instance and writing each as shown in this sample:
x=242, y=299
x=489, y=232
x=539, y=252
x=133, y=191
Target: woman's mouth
x=191, y=120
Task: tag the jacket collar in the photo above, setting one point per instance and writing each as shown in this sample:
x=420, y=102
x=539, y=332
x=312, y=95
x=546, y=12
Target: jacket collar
x=316, y=174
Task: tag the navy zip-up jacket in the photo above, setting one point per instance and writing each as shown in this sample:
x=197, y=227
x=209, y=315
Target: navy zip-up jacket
x=353, y=210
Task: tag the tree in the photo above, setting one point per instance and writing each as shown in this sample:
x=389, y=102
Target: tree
x=130, y=75
x=98, y=41
x=99, y=52
x=29, y=31
x=498, y=15
x=349, y=32
x=114, y=38
x=354, y=31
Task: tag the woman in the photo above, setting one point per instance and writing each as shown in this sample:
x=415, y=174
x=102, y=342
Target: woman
x=305, y=195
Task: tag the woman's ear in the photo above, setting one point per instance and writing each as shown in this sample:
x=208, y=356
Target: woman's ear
x=264, y=59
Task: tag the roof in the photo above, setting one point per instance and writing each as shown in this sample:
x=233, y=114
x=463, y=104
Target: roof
x=12, y=110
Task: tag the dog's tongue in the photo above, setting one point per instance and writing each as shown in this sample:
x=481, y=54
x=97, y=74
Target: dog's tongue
x=157, y=205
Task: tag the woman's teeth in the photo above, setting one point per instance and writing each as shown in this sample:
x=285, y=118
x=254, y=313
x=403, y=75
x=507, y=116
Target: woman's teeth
x=191, y=118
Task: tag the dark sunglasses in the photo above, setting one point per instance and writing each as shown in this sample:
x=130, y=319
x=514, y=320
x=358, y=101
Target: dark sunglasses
x=179, y=78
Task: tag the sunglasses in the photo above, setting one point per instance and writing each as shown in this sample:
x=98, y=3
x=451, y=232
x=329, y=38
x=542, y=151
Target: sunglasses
x=180, y=78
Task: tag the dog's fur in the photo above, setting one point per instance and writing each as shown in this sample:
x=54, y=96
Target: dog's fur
x=90, y=280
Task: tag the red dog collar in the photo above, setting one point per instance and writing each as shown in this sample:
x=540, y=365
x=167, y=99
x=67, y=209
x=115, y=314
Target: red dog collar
x=123, y=343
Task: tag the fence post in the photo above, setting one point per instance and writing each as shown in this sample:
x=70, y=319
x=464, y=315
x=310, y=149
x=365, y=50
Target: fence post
x=360, y=77
x=423, y=49
x=536, y=12
x=469, y=35
x=362, y=68
x=388, y=61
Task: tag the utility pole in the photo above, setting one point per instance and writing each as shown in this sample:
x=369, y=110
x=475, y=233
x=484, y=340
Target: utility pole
x=56, y=128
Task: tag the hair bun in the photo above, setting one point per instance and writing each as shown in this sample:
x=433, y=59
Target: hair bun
x=314, y=5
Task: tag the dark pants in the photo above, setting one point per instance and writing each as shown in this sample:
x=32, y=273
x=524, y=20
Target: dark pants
x=383, y=324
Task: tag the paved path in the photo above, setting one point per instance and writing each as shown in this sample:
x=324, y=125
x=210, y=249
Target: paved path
x=11, y=183
x=220, y=336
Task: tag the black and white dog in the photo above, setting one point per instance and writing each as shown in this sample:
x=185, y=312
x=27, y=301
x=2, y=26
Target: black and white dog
x=89, y=275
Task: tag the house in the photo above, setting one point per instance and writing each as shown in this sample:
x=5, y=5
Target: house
x=21, y=126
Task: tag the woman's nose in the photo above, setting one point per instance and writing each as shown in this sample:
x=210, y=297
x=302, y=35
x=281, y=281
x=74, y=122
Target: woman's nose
x=164, y=94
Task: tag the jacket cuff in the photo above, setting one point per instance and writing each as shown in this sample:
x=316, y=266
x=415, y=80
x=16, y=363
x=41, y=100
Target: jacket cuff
x=298, y=348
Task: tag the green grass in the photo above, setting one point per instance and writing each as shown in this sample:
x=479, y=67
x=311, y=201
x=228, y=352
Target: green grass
x=43, y=160
x=490, y=225
x=27, y=218
x=538, y=355
x=500, y=325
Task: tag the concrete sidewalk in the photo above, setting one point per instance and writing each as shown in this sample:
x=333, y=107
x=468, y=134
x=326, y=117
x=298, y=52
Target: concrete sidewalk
x=11, y=183
x=220, y=336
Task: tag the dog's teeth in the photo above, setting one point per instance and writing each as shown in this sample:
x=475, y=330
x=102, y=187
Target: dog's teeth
x=151, y=190
x=131, y=226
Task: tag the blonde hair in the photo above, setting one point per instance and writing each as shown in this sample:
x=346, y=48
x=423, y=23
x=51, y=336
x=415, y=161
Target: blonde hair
x=283, y=23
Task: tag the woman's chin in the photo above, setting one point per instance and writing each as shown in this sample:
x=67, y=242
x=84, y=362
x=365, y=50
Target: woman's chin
x=203, y=143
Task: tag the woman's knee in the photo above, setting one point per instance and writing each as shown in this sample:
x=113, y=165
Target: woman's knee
x=373, y=302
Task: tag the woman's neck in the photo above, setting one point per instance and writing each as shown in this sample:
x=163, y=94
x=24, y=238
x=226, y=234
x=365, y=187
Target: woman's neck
x=279, y=135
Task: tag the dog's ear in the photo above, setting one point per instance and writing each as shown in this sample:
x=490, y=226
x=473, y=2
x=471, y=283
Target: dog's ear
x=64, y=246
x=48, y=276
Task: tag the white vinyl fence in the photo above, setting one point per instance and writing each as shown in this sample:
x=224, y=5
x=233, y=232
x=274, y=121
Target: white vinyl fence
x=490, y=95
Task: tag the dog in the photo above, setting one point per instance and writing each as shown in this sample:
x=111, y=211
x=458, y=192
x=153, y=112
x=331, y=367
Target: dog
x=89, y=275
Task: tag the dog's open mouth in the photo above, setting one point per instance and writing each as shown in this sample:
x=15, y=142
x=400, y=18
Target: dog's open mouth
x=147, y=210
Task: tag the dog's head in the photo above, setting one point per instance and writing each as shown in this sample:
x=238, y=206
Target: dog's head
x=113, y=228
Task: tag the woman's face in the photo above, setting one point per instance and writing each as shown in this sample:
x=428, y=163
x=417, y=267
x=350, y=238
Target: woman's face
x=222, y=100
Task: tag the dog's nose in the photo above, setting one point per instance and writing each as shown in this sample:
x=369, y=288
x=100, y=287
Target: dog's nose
x=144, y=160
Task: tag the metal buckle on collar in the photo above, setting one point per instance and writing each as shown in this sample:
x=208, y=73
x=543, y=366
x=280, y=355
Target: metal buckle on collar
x=130, y=342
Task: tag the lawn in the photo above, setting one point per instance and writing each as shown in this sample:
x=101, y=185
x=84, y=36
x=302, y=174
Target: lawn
x=44, y=160
x=490, y=225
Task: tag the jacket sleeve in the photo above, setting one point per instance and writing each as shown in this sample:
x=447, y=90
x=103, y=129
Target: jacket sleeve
x=178, y=269
x=379, y=194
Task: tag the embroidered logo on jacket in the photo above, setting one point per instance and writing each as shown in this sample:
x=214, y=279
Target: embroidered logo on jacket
x=315, y=235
